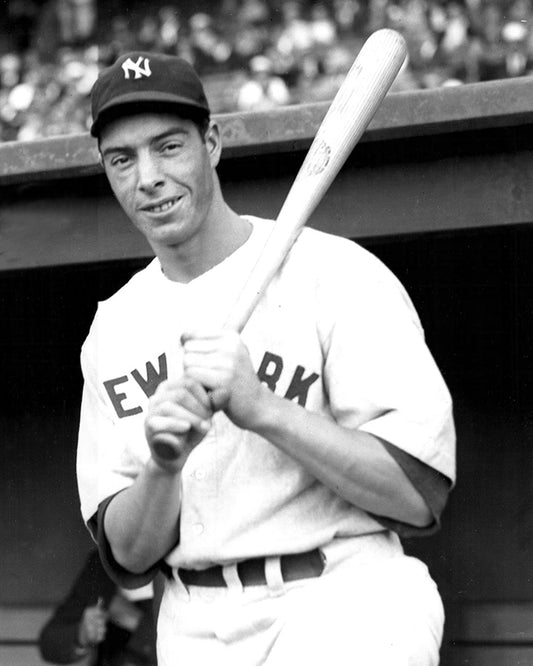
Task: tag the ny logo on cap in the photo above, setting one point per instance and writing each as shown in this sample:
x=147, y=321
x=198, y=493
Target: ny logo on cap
x=138, y=68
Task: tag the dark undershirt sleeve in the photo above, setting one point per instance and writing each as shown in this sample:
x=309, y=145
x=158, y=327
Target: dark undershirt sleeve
x=114, y=570
x=433, y=486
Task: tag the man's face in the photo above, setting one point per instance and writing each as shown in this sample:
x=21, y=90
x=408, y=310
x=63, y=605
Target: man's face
x=161, y=171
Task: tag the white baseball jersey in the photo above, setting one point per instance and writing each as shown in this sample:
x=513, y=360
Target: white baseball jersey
x=335, y=332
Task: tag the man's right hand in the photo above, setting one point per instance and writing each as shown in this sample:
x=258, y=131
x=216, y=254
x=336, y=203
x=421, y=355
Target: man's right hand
x=93, y=625
x=178, y=418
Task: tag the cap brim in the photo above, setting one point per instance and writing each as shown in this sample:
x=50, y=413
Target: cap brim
x=141, y=102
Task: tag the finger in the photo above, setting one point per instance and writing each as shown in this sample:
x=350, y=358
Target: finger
x=203, y=345
x=217, y=360
x=187, y=394
x=211, y=378
x=176, y=421
x=199, y=392
x=202, y=335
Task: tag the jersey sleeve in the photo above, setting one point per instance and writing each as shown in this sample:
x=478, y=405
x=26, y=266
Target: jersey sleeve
x=121, y=576
x=379, y=373
x=106, y=462
x=433, y=486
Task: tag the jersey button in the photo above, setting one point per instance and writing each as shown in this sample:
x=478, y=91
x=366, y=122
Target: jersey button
x=198, y=528
x=199, y=474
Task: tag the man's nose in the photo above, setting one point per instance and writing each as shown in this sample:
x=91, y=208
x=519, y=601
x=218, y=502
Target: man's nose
x=150, y=176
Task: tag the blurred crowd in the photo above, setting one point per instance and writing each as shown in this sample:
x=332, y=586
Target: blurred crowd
x=251, y=54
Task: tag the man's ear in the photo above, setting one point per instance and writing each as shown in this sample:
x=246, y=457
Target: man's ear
x=100, y=156
x=213, y=142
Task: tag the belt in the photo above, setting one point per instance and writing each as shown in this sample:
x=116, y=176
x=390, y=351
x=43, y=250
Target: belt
x=252, y=572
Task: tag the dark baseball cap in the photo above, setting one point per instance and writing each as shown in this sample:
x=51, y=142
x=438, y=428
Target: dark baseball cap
x=139, y=81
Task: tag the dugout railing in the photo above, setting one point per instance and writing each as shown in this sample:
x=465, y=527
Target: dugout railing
x=440, y=188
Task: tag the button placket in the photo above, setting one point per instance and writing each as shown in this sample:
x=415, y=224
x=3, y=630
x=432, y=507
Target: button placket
x=198, y=529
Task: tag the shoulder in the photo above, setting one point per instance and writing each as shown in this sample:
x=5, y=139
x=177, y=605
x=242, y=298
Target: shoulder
x=140, y=287
x=137, y=287
x=329, y=246
x=334, y=258
x=343, y=271
x=121, y=310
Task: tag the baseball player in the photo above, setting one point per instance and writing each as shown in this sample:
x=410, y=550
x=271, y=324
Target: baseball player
x=304, y=448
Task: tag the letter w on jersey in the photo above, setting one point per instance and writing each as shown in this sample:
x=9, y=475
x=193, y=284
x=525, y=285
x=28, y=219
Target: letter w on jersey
x=140, y=68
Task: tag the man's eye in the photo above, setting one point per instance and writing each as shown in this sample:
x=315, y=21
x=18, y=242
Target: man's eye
x=171, y=146
x=120, y=160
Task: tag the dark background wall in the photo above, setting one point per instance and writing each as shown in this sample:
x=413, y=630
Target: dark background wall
x=473, y=292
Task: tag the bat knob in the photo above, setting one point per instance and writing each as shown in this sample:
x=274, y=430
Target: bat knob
x=164, y=450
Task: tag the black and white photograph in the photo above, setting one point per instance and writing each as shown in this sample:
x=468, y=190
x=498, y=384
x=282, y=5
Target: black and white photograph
x=266, y=315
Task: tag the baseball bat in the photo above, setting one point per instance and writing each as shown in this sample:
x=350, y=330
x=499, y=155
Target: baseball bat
x=353, y=107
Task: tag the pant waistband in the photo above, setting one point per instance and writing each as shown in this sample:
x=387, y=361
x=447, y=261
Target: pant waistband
x=252, y=572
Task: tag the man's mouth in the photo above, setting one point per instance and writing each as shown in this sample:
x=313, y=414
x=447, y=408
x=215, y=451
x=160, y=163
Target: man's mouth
x=161, y=207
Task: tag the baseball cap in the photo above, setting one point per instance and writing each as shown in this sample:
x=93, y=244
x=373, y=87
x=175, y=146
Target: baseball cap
x=141, y=81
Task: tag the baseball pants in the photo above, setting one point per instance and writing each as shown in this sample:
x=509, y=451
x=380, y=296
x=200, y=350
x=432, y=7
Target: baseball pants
x=370, y=607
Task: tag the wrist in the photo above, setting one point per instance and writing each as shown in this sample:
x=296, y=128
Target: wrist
x=268, y=411
x=161, y=470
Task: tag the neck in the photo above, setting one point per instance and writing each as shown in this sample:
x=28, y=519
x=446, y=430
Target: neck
x=224, y=233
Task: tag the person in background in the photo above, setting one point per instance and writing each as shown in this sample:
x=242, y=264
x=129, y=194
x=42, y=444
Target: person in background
x=264, y=89
x=101, y=624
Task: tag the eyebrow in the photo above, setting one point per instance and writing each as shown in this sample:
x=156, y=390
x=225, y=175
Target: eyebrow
x=159, y=137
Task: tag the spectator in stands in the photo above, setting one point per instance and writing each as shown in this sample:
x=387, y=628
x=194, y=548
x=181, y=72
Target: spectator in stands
x=64, y=23
x=104, y=624
x=323, y=33
x=295, y=37
x=169, y=30
x=263, y=90
x=310, y=44
x=487, y=52
x=249, y=29
x=21, y=17
x=377, y=14
x=322, y=26
x=516, y=35
x=121, y=39
x=210, y=51
x=454, y=44
x=50, y=99
x=148, y=33
x=253, y=12
x=349, y=17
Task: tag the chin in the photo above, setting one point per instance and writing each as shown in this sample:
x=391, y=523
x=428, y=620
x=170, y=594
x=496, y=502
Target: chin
x=168, y=235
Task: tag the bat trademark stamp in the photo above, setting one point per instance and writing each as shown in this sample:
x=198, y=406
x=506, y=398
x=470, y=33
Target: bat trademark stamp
x=318, y=158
